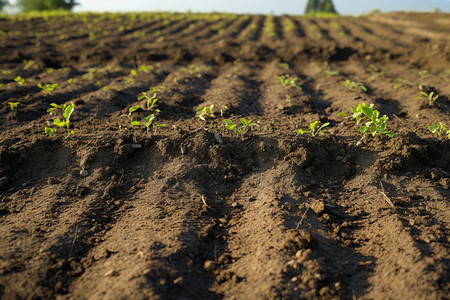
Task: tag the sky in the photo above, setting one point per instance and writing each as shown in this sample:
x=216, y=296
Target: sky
x=296, y=7
x=278, y=7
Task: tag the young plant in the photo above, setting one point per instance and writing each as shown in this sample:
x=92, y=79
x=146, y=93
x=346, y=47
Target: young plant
x=439, y=130
x=151, y=100
x=375, y=124
x=148, y=121
x=400, y=82
x=239, y=129
x=13, y=105
x=47, y=88
x=288, y=81
x=312, y=129
x=431, y=97
x=20, y=81
x=67, y=110
x=353, y=84
x=204, y=112
x=328, y=71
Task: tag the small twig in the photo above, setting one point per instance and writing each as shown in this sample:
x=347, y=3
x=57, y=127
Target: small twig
x=386, y=198
x=301, y=220
x=204, y=202
x=73, y=242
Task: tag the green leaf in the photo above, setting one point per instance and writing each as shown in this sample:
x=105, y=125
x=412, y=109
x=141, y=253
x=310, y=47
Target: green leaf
x=59, y=123
x=149, y=118
x=136, y=123
x=68, y=111
x=313, y=125
x=133, y=109
x=49, y=131
x=341, y=114
x=301, y=131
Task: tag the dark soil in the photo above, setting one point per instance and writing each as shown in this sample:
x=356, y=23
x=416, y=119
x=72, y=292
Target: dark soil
x=190, y=211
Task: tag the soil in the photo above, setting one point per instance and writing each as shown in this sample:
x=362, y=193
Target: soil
x=192, y=211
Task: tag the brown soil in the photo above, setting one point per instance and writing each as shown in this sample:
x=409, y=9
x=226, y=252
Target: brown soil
x=193, y=212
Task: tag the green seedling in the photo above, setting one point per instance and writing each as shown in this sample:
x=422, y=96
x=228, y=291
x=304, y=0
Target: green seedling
x=204, y=112
x=287, y=81
x=353, y=84
x=328, y=71
x=67, y=110
x=20, y=81
x=148, y=121
x=133, y=109
x=423, y=74
x=439, y=130
x=30, y=64
x=400, y=82
x=13, y=105
x=151, y=100
x=134, y=73
x=283, y=66
x=47, y=88
x=312, y=129
x=239, y=129
x=431, y=97
x=375, y=124
x=6, y=72
x=373, y=69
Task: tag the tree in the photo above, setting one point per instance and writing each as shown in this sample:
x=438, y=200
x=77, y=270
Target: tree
x=3, y=3
x=30, y=5
x=320, y=6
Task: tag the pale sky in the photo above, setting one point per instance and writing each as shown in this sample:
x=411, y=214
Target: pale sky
x=258, y=7
x=296, y=7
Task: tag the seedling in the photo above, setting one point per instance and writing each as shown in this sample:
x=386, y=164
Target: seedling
x=147, y=122
x=439, y=130
x=312, y=129
x=204, y=112
x=133, y=109
x=353, y=84
x=47, y=88
x=151, y=100
x=239, y=129
x=328, y=71
x=30, y=64
x=400, y=82
x=288, y=81
x=20, y=81
x=13, y=105
x=430, y=96
x=375, y=125
x=67, y=110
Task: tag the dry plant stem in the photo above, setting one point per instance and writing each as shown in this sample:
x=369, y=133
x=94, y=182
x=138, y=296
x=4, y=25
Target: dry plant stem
x=73, y=242
x=301, y=220
x=204, y=202
x=386, y=198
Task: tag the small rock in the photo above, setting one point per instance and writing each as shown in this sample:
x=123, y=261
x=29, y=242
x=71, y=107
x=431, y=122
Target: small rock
x=136, y=146
x=294, y=279
x=218, y=138
x=234, y=205
x=209, y=265
x=84, y=173
x=182, y=150
x=111, y=272
x=318, y=206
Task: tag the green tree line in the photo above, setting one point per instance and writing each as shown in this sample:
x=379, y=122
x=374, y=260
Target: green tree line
x=320, y=6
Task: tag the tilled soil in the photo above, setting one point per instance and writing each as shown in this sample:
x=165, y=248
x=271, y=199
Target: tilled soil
x=189, y=210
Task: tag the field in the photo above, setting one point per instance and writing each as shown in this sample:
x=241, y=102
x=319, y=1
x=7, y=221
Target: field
x=193, y=210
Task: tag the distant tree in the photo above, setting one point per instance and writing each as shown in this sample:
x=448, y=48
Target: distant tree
x=30, y=5
x=3, y=3
x=320, y=6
